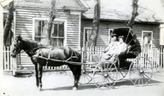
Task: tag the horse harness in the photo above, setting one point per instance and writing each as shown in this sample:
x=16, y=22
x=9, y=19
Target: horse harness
x=40, y=55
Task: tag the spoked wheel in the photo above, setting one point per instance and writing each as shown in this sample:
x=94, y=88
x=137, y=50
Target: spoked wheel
x=86, y=75
x=103, y=77
x=122, y=71
x=140, y=71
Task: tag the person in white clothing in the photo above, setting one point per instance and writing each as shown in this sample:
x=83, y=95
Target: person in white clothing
x=108, y=52
x=122, y=46
x=115, y=47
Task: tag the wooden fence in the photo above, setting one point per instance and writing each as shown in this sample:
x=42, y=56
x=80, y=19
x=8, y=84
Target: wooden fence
x=156, y=57
x=7, y=60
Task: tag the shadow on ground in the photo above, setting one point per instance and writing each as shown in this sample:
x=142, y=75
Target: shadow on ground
x=126, y=83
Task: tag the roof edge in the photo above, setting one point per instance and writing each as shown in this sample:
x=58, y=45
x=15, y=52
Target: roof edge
x=5, y=2
x=81, y=2
x=115, y=20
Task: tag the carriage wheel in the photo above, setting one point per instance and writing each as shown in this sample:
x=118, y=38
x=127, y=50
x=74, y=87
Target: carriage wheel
x=86, y=76
x=103, y=77
x=122, y=72
x=140, y=71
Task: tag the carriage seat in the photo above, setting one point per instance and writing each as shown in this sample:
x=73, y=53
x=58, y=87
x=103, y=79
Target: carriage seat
x=123, y=59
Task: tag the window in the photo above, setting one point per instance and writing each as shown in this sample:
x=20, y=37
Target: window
x=109, y=35
x=57, y=32
x=87, y=32
x=40, y=30
x=147, y=37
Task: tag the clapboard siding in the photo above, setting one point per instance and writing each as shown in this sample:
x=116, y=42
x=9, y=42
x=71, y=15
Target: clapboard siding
x=73, y=31
x=24, y=26
x=102, y=39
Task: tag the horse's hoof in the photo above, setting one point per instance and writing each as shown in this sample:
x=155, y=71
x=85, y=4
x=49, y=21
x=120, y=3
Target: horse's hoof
x=74, y=88
x=39, y=89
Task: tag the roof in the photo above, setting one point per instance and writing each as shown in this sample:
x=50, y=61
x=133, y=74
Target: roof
x=117, y=10
x=5, y=2
x=60, y=4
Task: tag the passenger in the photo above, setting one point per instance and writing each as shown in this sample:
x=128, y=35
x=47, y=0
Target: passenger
x=115, y=48
x=109, y=51
x=122, y=46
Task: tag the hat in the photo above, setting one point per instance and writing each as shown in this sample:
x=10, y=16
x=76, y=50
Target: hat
x=113, y=34
x=121, y=36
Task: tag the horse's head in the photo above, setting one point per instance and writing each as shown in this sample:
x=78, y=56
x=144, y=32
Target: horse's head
x=17, y=46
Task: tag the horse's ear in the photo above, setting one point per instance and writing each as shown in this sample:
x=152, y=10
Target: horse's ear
x=19, y=37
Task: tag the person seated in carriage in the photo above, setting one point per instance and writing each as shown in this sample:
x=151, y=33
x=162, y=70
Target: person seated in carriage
x=124, y=45
x=115, y=47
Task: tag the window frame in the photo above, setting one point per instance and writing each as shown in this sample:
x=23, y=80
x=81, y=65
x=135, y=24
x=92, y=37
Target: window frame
x=147, y=31
x=56, y=19
x=109, y=35
x=84, y=30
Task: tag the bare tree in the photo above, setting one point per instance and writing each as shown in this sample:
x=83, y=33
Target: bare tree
x=52, y=17
x=134, y=13
x=95, y=24
x=8, y=23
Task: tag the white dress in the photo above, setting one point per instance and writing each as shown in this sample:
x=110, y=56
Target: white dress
x=114, y=48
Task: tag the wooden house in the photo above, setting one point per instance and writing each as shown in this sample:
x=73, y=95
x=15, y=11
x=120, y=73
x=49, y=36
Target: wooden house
x=73, y=23
x=31, y=21
x=116, y=14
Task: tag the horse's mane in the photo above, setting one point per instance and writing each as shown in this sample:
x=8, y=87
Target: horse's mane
x=32, y=44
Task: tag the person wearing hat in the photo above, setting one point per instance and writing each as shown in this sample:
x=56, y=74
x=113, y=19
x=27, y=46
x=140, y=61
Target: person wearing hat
x=108, y=52
x=115, y=47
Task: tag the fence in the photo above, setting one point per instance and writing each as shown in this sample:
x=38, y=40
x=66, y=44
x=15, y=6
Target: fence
x=156, y=57
x=7, y=61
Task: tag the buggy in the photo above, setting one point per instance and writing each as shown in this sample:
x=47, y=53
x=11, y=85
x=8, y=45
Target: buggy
x=107, y=73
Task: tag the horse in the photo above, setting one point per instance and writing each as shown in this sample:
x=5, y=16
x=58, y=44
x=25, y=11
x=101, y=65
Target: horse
x=50, y=56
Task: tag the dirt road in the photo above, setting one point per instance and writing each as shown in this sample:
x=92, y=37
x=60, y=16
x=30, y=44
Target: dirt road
x=60, y=84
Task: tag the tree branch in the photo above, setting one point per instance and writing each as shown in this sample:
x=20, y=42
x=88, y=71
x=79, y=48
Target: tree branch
x=134, y=13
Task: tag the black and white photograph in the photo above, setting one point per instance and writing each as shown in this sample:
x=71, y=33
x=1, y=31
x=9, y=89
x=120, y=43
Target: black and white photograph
x=82, y=47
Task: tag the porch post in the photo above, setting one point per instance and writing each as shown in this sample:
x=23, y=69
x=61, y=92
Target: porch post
x=13, y=60
x=162, y=34
x=162, y=45
x=14, y=66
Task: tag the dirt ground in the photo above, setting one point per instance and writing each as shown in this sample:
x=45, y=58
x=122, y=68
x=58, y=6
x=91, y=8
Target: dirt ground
x=60, y=84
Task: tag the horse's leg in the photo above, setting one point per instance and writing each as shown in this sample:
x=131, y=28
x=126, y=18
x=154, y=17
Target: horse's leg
x=77, y=75
x=76, y=70
x=36, y=75
x=40, y=69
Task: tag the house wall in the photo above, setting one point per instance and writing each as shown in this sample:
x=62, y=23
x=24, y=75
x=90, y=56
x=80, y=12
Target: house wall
x=106, y=25
x=24, y=26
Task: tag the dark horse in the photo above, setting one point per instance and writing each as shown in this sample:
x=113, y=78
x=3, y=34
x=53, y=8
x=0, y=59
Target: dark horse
x=49, y=54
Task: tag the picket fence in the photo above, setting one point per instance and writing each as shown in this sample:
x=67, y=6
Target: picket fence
x=156, y=57
x=7, y=60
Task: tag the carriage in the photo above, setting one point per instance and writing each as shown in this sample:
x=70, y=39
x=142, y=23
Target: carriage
x=107, y=74
x=101, y=73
